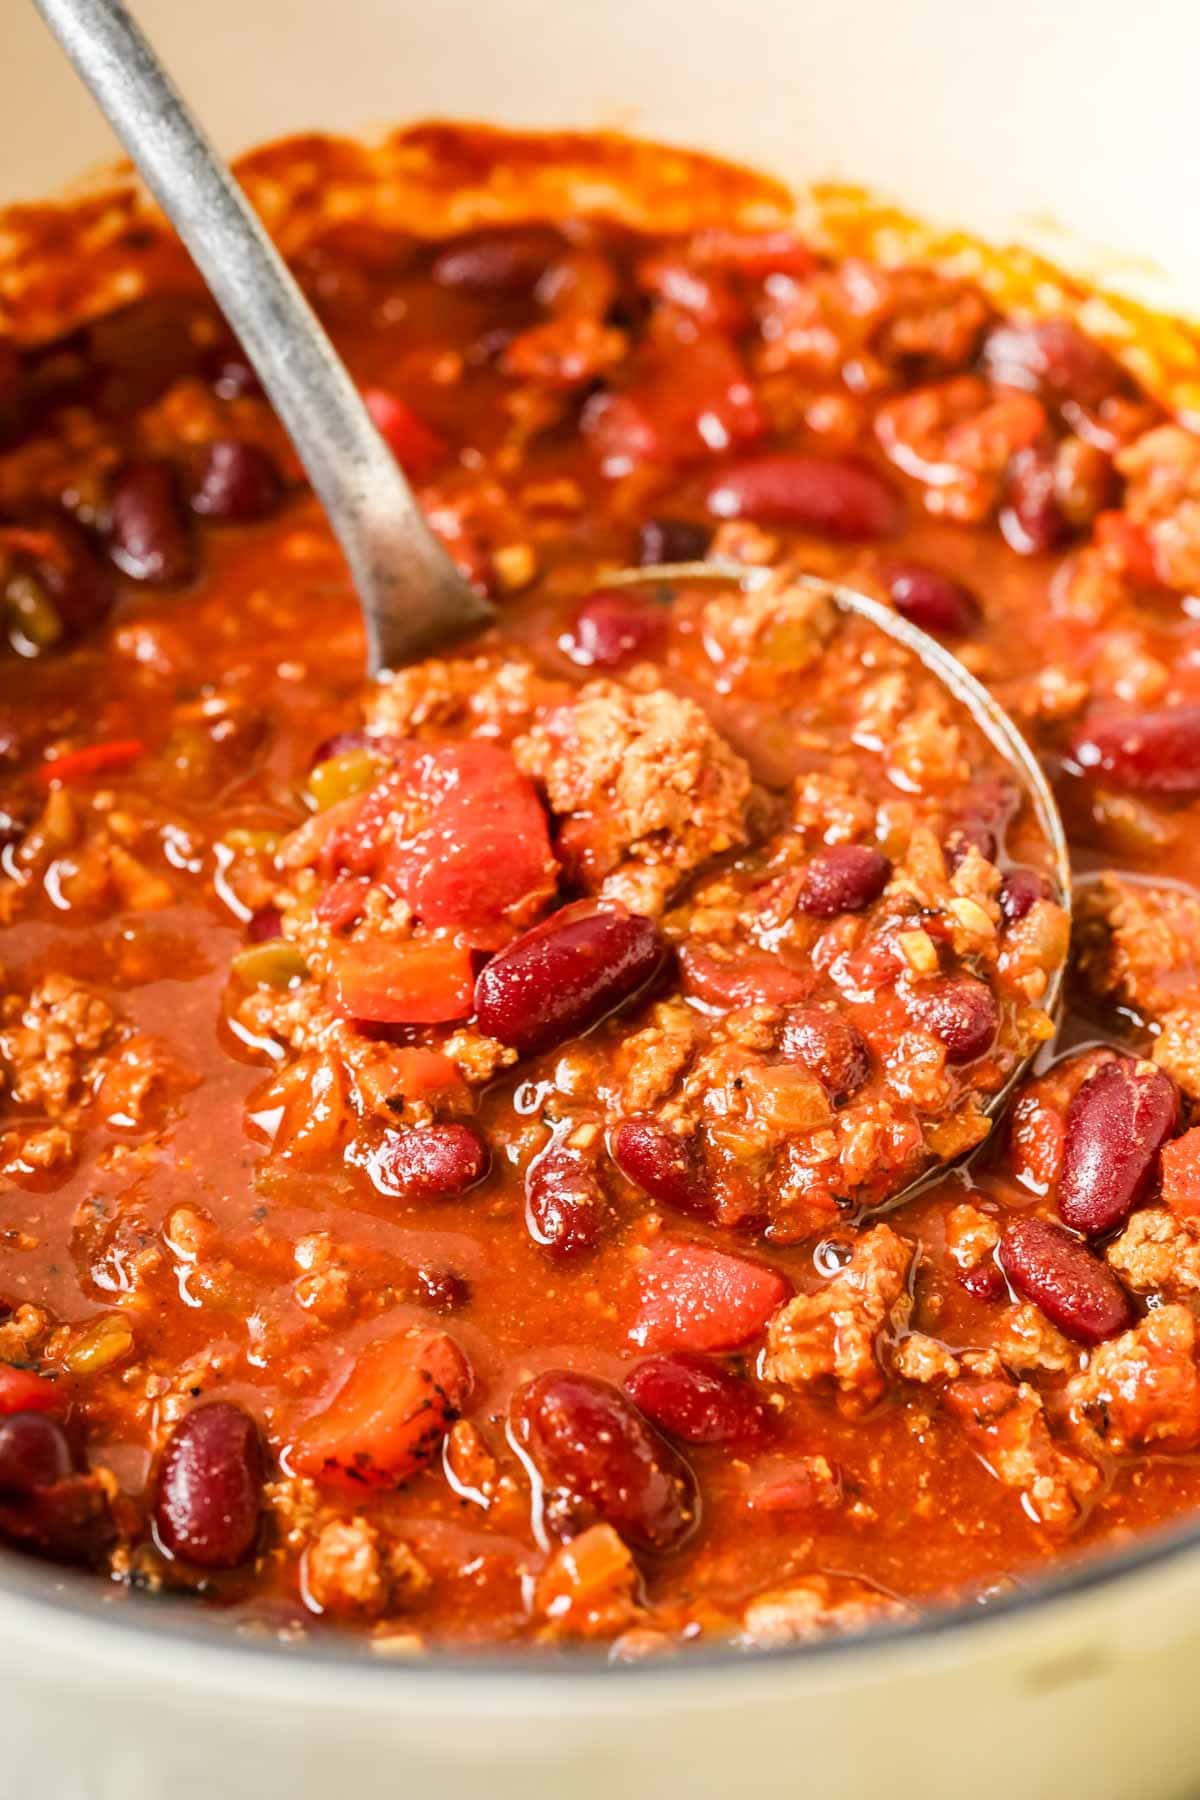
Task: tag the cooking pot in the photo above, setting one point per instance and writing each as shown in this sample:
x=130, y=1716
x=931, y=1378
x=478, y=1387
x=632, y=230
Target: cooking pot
x=1070, y=128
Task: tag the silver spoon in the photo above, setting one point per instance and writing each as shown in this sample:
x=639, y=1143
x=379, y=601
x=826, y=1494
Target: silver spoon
x=412, y=596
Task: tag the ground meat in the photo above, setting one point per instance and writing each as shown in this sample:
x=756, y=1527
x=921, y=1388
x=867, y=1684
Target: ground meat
x=972, y=1238
x=646, y=789
x=921, y=1358
x=816, y=1606
x=1141, y=1391
x=1157, y=1253
x=865, y=323
x=50, y=1041
x=833, y=1335
x=1162, y=469
x=650, y=1061
x=481, y=697
x=354, y=1567
x=591, y=1587
x=957, y=438
x=1007, y=1426
x=1025, y=1339
x=1140, y=945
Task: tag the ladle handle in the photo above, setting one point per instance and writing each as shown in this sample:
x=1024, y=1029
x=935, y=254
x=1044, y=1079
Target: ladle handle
x=362, y=489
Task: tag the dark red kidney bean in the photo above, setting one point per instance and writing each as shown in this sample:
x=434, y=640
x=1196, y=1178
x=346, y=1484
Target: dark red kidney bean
x=209, y=1493
x=429, y=1161
x=72, y=576
x=830, y=1046
x=1055, y=359
x=672, y=541
x=566, y=1209
x=960, y=1011
x=1116, y=1124
x=696, y=1399
x=34, y=1453
x=983, y=1282
x=236, y=483
x=932, y=599
x=510, y=261
x=1076, y=1291
x=6, y=1308
x=148, y=534
x=845, y=500
x=612, y=627
x=230, y=371
x=662, y=1165
x=566, y=974
x=1150, y=752
x=265, y=924
x=982, y=819
x=598, y=1458
x=844, y=878
x=1021, y=890
x=1032, y=519
x=445, y=1290
x=70, y=1519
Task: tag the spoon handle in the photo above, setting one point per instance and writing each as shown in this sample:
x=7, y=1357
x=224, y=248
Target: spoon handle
x=413, y=597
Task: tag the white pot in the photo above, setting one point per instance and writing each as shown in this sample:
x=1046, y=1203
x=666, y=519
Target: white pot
x=1025, y=122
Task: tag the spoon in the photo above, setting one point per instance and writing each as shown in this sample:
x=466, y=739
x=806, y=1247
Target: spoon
x=412, y=596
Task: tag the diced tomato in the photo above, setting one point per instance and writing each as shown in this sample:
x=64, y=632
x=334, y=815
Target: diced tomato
x=92, y=760
x=383, y=981
x=1128, y=545
x=390, y=1415
x=481, y=862
x=23, y=1391
x=1181, y=1174
x=693, y=1297
x=415, y=445
x=695, y=400
x=424, y=1072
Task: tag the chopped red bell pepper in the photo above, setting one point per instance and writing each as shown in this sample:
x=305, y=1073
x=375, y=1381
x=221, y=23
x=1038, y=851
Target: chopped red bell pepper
x=106, y=758
x=385, y=982
x=390, y=1415
x=415, y=445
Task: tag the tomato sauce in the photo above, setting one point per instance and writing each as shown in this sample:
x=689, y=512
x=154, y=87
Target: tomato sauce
x=451, y=1133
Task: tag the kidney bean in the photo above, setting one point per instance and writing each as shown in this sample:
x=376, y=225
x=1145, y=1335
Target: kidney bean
x=230, y=371
x=76, y=582
x=672, y=541
x=931, y=599
x=662, y=1165
x=34, y=1452
x=599, y=1458
x=959, y=1011
x=209, y=1494
x=1149, y=752
x=830, y=1046
x=1032, y=519
x=696, y=1399
x=265, y=924
x=1054, y=359
x=565, y=1206
x=612, y=627
x=844, y=878
x=429, y=1161
x=148, y=536
x=1076, y=1291
x=445, y=1290
x=1116, y=1124
x=236, y=483
x=983, y=1282
x=836, y=499
x=510, y=261
x=566, y=975
x=1021, y=889
x=982, y=819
